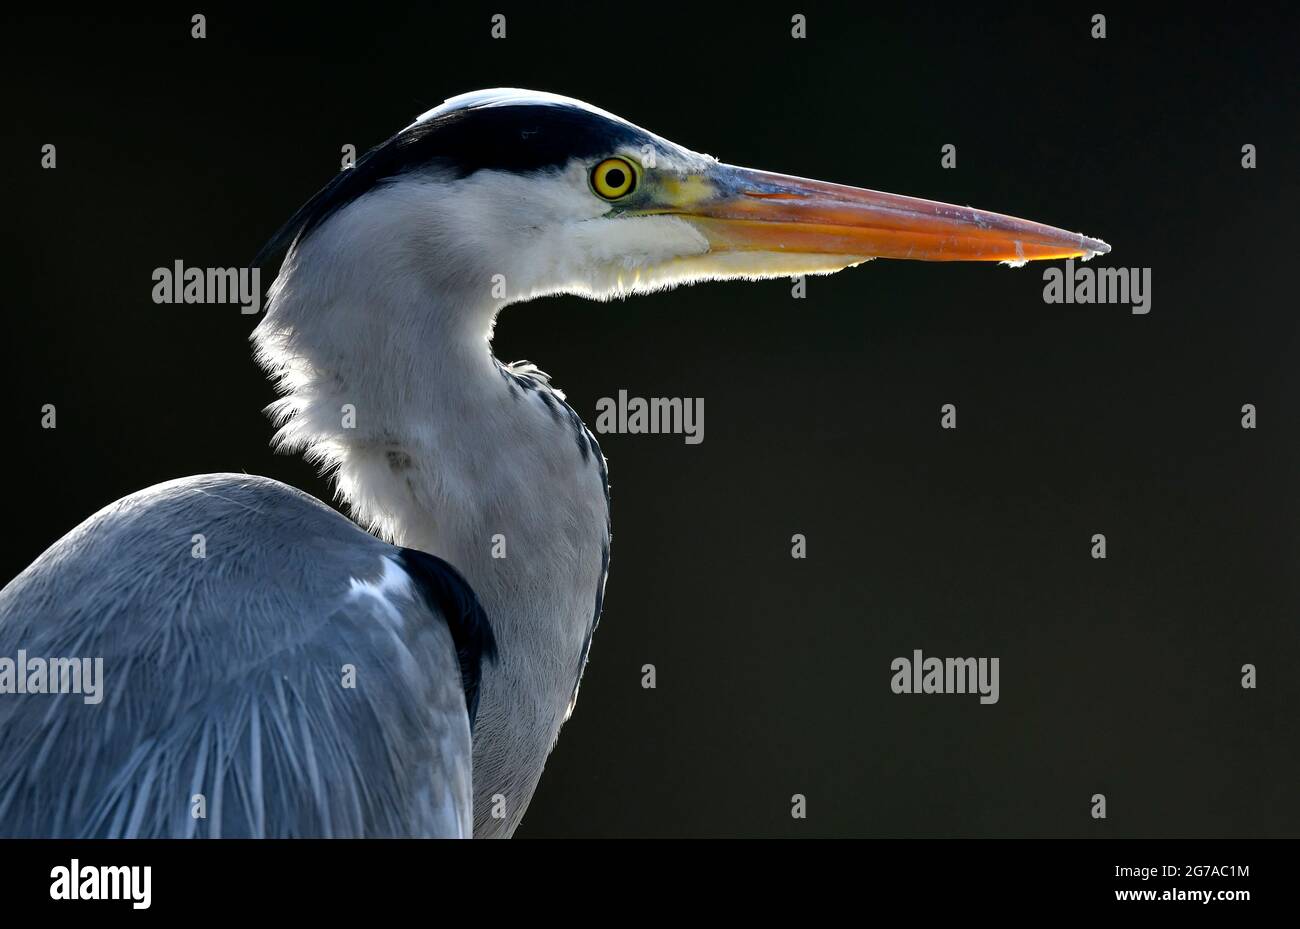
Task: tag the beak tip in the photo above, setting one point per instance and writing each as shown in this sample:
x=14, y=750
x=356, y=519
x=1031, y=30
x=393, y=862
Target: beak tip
x=1094, y=247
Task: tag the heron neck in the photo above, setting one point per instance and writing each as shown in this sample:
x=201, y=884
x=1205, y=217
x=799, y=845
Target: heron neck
x=435, y=446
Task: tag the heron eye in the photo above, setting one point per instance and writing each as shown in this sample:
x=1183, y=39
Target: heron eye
x=613, y=178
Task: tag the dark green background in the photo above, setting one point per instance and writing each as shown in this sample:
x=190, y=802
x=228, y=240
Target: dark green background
x=821, y=416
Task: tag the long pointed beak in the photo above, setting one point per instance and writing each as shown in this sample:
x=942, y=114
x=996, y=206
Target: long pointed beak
x=739, y=209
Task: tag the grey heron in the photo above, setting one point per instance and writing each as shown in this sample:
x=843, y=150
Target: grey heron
x=307, y=674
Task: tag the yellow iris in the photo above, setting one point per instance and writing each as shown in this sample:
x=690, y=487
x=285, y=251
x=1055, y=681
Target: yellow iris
x=613, y=178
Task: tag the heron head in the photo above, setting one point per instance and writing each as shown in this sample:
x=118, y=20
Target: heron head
x=521, y=194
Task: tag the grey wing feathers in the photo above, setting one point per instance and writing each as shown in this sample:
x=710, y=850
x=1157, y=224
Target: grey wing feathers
x=268, y=670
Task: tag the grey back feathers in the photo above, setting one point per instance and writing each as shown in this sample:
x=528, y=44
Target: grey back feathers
x=312, y=688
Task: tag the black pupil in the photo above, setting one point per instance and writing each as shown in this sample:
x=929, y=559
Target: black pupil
x=614, y=177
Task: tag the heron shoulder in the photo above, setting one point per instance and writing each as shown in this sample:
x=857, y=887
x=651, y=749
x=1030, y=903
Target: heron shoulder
x=270, y=554
x=226, y=612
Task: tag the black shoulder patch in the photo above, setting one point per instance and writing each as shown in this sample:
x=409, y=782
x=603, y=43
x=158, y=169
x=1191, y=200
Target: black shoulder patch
x=447, y=593
x=520, y=137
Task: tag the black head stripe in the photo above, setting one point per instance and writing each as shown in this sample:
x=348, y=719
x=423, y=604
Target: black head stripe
x=521, y=137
